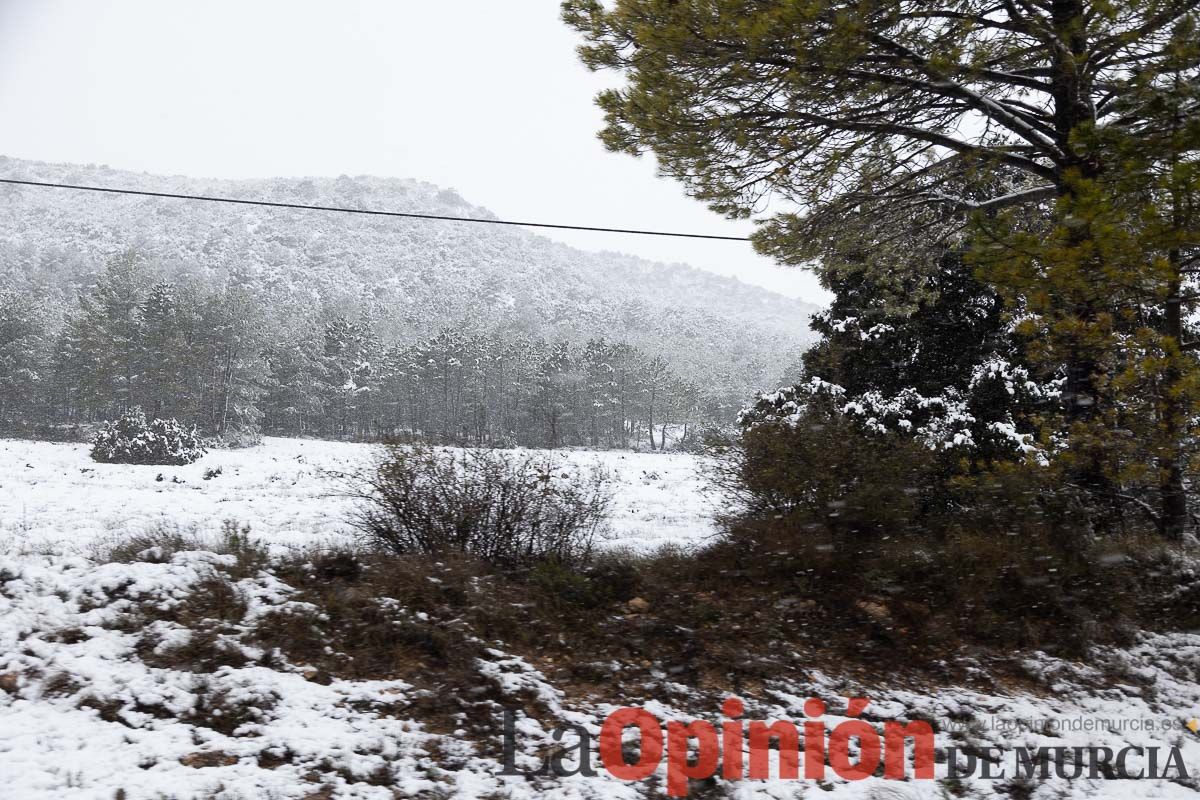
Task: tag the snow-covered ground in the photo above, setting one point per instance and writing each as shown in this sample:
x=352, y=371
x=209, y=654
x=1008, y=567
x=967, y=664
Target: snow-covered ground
x=87, y=713
x=54, y=494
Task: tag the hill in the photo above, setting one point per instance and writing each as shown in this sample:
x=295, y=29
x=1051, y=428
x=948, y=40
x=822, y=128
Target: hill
x=410, y=277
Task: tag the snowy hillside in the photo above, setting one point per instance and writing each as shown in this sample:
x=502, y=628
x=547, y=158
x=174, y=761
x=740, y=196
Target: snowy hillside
x=411, y=278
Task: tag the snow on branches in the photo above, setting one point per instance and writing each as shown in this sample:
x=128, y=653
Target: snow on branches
x=132, y=439
x=986, y=417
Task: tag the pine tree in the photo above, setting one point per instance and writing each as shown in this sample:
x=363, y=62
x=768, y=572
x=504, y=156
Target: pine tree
x=23, y=356
x=97, y=355
x=905, y=128
x=656, y=381
x=352, y=353
x=161, y=353
x=558, y=381
x=292, y=402
x=231, y=366
x=600, y=395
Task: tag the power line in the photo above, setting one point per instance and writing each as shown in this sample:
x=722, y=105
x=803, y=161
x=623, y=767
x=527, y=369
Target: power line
x=371, y=212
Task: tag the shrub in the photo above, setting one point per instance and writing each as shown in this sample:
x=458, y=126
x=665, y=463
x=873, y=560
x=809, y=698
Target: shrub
x=926, y=548
x=508, y=509
x=826, y=469
x=236, y=439
x=610, y=578
x=133, y=439
x=160, y=544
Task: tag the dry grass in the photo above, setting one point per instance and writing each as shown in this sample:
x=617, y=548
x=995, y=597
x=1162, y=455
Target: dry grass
x=728, y=618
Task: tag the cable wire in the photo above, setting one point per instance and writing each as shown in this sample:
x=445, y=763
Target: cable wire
x=371, y=212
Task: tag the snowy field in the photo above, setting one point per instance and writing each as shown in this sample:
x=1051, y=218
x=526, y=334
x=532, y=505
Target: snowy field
x=87, y=713
x=53, y=494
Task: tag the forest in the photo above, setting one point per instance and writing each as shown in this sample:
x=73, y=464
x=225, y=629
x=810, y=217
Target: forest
x=210, y=357
x=249, y=321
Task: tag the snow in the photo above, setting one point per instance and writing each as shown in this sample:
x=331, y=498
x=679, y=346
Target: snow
x=53, y=494
x=141, y=753
x=56, y=743
x=123, y=727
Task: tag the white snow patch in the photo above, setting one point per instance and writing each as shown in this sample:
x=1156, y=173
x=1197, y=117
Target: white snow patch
x=53, y=494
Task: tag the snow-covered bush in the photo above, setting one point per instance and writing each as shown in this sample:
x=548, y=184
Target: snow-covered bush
x=133, y=439
x=980, y=421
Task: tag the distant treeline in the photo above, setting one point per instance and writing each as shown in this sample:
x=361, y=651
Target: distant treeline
x=213, y=357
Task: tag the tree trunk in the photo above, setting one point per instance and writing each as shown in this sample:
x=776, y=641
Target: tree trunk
x=650, y=413
x=1073, y=108
x=1172, y=496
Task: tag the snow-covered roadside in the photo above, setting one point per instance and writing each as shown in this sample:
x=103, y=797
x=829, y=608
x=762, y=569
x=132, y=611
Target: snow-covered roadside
x=54, y=494
x=88, y=718
x=86, y=713
x=91, y=707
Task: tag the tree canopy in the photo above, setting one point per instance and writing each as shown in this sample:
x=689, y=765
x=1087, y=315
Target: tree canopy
x=1049, y=147
x=901, y=115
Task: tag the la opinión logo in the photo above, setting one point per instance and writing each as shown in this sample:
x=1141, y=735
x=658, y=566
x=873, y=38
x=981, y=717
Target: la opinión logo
x=737, y=749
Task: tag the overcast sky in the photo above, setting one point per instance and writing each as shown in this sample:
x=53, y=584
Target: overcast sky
x=482, y=96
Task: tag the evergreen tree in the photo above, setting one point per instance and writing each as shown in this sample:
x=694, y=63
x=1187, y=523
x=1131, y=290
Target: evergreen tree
x=220, y=359
x=557, y=385
x=600, y=401
x=352, y=353
x=97, y=355
x=232, y=368
x=656, y=384
x=23, y=356
x=162, y=354
x=1046, y=131
x=293, y=402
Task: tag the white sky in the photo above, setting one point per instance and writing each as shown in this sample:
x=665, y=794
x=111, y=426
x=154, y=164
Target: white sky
x=483, y=96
